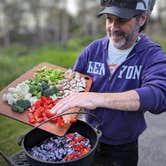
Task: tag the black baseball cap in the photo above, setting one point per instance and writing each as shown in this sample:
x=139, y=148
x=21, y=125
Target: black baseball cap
x=124, y=8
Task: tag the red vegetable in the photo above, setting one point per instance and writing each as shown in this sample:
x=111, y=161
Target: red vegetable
x=73, y=120
x=60, y=121
x=31, y=118
x=40, y=111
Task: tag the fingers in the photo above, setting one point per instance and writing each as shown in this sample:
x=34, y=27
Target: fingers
x=59, y=108
x=63, y=105
x=79, y=100
x=67, y=118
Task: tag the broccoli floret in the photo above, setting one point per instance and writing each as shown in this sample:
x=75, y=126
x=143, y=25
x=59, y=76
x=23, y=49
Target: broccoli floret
x=45, y=85
x=50, y=91
x=17, y=108
x=25, y=104
x=21, y=105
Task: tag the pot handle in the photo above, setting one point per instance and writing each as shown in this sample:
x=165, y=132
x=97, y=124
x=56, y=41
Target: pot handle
x=21, y=138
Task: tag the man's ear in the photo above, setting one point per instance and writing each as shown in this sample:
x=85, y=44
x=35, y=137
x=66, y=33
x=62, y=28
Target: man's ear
x=144, y=17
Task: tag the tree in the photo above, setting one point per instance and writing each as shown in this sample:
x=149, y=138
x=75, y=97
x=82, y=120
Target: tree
x=12, y=16
x=57, y=22
x=90, y=24
x=162, y=13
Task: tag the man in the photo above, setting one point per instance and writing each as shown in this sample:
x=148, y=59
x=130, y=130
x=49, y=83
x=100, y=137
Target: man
x=129, y=78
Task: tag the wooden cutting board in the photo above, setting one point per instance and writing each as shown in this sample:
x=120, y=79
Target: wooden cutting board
x=5, y=109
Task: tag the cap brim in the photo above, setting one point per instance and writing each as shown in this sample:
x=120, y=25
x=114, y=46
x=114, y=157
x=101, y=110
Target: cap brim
x=119, y=12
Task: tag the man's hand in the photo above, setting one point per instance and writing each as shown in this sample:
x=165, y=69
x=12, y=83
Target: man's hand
x=85, y=100
x=124, y=101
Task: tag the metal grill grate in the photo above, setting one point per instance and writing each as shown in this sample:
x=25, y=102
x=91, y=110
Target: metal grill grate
x=19, y=159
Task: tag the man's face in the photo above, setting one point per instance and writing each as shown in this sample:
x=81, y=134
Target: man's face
x=123, y=33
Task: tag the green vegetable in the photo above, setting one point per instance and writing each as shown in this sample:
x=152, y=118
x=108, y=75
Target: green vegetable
x=50, y=91
x=35, y=87
x=21, y=105
x=45, y=85
x=43, y=82
x=25, y=104
x=52, y=75
x=17, y=108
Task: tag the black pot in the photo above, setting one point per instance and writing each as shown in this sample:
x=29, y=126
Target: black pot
x=36, y=136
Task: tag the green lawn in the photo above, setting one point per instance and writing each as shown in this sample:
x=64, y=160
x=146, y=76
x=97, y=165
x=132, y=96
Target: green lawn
x=14, y=62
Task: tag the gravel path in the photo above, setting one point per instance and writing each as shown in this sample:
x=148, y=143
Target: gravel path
x=152, y=143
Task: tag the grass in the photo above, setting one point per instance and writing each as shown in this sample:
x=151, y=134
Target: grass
x=13, y=64
x=10, y=131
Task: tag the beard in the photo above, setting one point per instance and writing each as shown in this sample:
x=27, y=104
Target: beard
x=126, y=39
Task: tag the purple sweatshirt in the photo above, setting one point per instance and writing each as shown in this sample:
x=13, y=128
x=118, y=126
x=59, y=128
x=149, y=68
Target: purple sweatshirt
x=144, y=70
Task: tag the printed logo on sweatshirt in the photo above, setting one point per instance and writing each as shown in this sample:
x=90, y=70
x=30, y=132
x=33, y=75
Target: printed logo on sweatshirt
x=96, y=68
x=130, y=72
x=112, y=68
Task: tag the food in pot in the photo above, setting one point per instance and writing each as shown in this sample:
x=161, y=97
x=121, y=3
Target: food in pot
x=55, y=149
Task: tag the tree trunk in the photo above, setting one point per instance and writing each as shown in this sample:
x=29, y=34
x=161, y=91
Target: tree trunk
x=6, y=40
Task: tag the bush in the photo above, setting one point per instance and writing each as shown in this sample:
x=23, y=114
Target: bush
x=76, y=43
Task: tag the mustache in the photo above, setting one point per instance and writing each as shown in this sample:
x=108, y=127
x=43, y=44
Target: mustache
x=117, y=33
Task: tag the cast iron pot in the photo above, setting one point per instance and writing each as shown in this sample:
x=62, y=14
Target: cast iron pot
x=36, y=136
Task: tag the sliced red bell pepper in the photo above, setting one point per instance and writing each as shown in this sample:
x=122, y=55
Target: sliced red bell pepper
x=73, y=120
x=60, y=121
x=31, y=119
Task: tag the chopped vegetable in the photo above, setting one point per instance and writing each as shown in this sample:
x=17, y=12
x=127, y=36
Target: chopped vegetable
x=21, y=91
x=40, y=88
x=50, y=91
x=25, y=104
x=73, y=120
x=65, y=148
x=42, y=92
x=52, y=75
x=40, y=109
x=21, y=105
x=44, y=85
x=17, y=108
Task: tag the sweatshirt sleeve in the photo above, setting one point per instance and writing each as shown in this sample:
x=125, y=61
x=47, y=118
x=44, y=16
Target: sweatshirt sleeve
x=81, y=62
x=90, y=52
x=153, y=91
